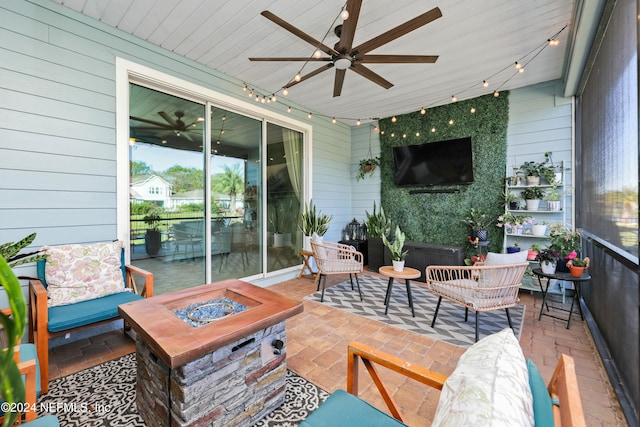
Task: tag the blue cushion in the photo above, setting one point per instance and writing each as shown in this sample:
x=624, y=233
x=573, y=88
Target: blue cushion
x=46, y=421
x=28, y=352
x=345, y=409
x=542, y=409
x=82, y=313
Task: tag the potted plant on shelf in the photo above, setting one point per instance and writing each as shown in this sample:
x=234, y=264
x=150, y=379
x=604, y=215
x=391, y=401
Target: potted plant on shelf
x=553, y=172
x=152, y=238
x=511, y=201
x=533, y=251
x=514, y=248
x=532, y=171
x=378, y=225
x=479, y=223
x=367, y=167
x=548, y=259
x=539, y=230
x=553, y=198
x=532, y=196
x=396, y=248
x=312, y=221
x=513, y=224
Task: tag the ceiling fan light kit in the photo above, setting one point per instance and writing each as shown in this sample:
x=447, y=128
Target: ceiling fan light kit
x=344, y=56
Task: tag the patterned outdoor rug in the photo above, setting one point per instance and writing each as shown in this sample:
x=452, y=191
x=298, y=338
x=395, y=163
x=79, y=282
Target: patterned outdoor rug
x=450, y=325
x=105, y=395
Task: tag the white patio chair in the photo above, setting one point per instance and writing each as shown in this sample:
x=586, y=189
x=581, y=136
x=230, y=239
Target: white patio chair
x=479, y=288
x=336, y=258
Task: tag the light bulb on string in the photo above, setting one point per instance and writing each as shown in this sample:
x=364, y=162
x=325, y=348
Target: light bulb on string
x=309, y=116
x=344, y=15
x=433, y=130
x=485, y=83
x=453, y=98
x=518, y=65
x=423, y=111
x=450, y=121
x=393, y=119
x=288, y=109
x=285, y=92
x=521, y=70
x=244, y=88
x=273, y=97
x=358, y=122
x=496, y=93
x=317, y=53
x=472, y=110
x=333, y=120
x=297, y=77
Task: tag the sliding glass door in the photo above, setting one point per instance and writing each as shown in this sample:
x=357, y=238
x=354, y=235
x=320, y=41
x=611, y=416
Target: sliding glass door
x=214, y=193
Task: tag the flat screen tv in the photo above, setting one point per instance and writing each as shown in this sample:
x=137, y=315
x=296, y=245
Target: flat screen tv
x=434, y=163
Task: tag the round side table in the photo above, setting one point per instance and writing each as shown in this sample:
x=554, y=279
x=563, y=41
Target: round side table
x=407, y=274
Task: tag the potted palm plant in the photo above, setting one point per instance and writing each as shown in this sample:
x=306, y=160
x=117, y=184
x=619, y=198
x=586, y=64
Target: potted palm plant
x=396, y=248
x=378, y=225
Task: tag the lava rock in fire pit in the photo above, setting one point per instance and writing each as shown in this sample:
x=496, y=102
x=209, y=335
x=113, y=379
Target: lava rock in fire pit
x=202, y=313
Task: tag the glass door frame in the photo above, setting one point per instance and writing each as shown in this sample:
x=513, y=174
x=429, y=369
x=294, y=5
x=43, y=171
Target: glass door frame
x=131, y=72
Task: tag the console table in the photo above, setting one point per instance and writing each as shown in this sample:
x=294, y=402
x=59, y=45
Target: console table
x=577, y=284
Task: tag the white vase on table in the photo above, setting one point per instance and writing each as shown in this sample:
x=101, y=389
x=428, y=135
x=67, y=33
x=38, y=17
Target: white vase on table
x=398, y=265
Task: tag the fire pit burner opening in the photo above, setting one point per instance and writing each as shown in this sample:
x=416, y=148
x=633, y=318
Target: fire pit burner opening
x=202, y=313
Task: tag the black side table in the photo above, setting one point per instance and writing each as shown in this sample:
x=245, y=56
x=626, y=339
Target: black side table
x=361, y=246
x=577, y=284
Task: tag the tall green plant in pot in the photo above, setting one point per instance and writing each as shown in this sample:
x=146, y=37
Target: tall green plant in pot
x=396, y=248
x=11, y=383
x=378, y=225
x=312, y=221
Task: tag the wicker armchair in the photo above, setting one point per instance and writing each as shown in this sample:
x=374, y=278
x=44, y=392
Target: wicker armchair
x=479, y=288
x=336, y=258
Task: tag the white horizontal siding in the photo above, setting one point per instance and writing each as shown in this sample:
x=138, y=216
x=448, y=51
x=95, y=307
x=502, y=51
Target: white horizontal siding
x=58, y=136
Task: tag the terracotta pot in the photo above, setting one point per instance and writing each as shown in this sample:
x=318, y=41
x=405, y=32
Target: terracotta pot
x=576, y=271
x=531, y=255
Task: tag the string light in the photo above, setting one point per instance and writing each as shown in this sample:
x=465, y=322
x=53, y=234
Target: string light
x=451, y=121
x=344, y=15
x=520, y=65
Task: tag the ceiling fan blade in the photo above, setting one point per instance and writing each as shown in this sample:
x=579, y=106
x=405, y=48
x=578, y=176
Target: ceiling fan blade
x=367, y=73
x=398, y=59
x=151, y=122
x=168, y=118
x=338, y=82
x=398, y=31
x=299, y=33
x=311, y=74
x=349, y=27
x=291, y=59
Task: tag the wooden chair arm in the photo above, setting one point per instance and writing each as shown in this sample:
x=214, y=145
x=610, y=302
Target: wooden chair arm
x=564, y=387
x=38, y=307
x=370, y=356
x=28, y=369
x=147, y=289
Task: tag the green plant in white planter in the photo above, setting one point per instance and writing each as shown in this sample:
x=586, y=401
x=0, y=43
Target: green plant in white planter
x=312, y=221
x=396, y=248
x=532, y=196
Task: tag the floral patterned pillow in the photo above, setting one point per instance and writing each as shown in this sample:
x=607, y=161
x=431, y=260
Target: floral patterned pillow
x=81, y=272
x=489, y=387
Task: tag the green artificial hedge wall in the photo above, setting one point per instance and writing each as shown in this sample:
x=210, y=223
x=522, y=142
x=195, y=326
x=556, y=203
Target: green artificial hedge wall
x=437, y=217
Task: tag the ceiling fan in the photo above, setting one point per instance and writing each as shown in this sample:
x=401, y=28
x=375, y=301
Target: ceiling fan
x=343, y=56
x=176, y=126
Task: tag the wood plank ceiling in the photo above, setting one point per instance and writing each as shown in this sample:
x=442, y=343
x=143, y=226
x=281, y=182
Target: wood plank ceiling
x=475, y=41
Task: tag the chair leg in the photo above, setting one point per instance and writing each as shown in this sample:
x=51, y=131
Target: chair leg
x=509, y=318
x=319, y=279
x=351, y=280
x=466, y=313
x=433, y=322
x=324, y=284
x=358, y=283
x=476, y=326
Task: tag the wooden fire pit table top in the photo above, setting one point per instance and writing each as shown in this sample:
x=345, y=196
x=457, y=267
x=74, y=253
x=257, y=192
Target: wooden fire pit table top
x=177, y=343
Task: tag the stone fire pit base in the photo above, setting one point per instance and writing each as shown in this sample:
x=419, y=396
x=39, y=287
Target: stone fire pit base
x=234, y=385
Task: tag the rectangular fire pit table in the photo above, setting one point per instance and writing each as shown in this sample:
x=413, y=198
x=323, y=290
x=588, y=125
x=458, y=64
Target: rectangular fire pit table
x=229, y=371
